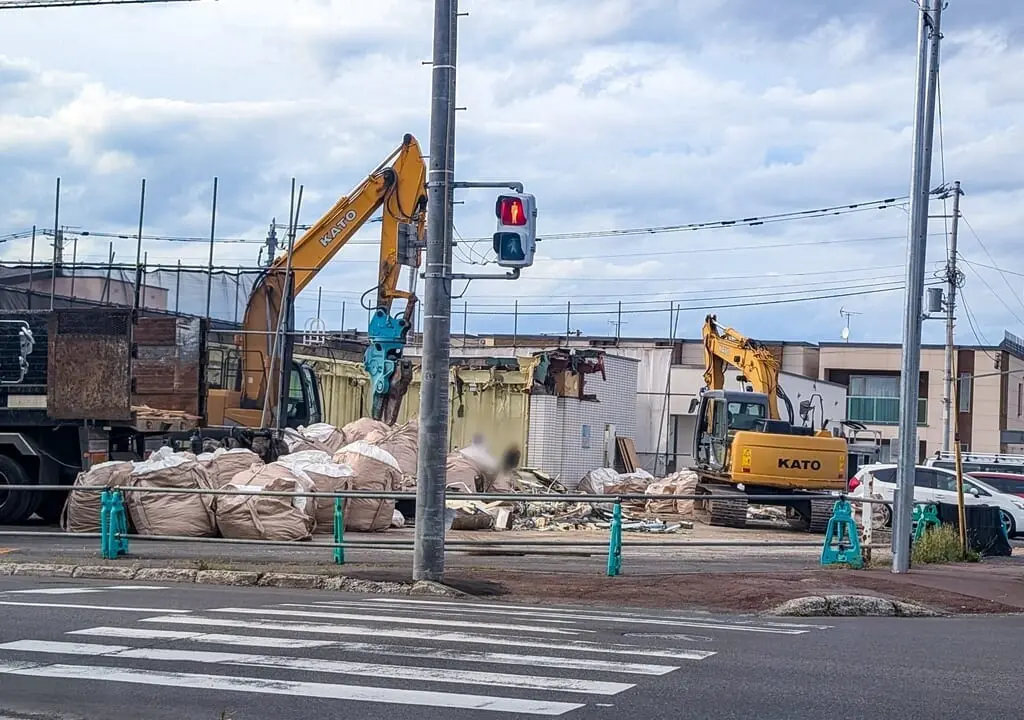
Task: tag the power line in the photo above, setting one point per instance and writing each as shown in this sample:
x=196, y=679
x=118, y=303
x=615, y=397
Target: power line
x=995, y=265
x=716, y=306
x=992, y=290
x=718, y=224
x=25, y=4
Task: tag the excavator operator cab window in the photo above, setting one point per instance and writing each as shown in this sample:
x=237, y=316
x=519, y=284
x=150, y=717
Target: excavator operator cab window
x=298, y=410
x=746, y=415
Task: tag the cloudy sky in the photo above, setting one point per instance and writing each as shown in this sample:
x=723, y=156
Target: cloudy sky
x=615, y=114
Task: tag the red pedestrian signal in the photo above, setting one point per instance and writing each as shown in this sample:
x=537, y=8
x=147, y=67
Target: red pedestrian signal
x=510, y=211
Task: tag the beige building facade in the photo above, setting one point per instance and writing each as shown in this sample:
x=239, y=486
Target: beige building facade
x=990, y=384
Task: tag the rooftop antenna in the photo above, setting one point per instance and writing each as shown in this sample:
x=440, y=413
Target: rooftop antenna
x=845, y=334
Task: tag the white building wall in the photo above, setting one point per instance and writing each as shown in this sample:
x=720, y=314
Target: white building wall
x=649, y=384
x=567, y=436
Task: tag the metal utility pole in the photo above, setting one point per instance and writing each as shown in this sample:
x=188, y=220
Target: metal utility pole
x=428, y=562
x=951, y=285
x=910, y=372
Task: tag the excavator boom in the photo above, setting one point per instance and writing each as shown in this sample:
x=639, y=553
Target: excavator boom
x=398, y=185
x=724, y=346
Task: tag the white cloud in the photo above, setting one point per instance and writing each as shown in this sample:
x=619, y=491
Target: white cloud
x=614, y=114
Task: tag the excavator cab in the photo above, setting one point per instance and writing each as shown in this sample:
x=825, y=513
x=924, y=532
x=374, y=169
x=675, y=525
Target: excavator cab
x=720, y=415
x=304, y=403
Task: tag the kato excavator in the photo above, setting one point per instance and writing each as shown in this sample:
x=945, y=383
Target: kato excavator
x=743, y=447
x=398, y=186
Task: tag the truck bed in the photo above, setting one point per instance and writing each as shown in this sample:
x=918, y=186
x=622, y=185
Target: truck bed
x=94, y=364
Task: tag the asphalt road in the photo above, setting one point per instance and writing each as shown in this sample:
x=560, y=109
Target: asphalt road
x=72, y=649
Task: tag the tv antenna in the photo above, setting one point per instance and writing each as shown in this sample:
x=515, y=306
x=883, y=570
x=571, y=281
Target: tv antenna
x=845, y=334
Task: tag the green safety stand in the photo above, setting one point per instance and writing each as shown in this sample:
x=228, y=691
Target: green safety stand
x=615, y=542
x=339, y=532
x=925, y=516
x=113, y=525
x=842, y=541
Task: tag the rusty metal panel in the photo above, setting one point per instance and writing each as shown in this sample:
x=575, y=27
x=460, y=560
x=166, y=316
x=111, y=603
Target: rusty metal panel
x=88, y=364
x=491, y=402
x=167, y=369
x=345, y=389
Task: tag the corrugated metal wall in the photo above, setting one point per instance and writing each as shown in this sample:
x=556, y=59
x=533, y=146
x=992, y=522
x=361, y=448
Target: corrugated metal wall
x=490, y=401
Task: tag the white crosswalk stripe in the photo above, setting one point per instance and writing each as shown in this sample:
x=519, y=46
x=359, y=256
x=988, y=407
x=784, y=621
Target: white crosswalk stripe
x=516, y=659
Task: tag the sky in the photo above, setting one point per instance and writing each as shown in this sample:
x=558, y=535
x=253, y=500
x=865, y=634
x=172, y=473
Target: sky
x=614, y=114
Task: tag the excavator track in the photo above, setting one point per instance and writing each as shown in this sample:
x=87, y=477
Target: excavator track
x=731, y=512
x=821, y=513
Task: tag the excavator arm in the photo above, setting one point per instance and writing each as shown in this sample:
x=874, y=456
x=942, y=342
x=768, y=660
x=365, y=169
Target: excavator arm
x=398, y=185
x=725, y=346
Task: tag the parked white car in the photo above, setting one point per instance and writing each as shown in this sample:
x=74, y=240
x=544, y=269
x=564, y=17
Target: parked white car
x=933, y=484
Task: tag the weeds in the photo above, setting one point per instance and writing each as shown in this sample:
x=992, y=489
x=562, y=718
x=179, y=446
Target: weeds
x=941, y=545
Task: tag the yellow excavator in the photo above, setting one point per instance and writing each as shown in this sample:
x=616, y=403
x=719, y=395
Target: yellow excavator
x=398, y=186
x=743, y=447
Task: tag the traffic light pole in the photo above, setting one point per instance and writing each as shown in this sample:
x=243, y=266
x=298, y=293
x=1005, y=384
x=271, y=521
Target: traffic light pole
x=428, y=561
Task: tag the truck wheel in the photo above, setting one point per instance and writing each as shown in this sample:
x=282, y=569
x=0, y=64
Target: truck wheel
x=15, y=505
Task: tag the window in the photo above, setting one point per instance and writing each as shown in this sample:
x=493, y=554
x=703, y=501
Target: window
x=1020, y=399
x=964, y=391
x=886, y=475
x=887, y=386
x=970, y=487
x=745, y=415
x=925, y=478
x=945, y=481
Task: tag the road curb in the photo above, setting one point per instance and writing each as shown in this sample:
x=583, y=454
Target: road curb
x=233, y=578
x=849, y=606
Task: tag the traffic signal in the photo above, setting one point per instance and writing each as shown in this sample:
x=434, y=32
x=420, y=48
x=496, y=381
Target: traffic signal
x=516, y=238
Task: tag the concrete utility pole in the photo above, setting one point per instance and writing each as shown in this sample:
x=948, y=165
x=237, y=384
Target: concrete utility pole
x=910, y=372
x=951, y=285
x=428, y=562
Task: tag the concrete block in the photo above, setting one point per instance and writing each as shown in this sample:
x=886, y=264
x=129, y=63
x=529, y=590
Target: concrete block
x=44, y=569
x=166, y=575
x=352, y=585
x=227, y=577
x=104, y=572
x=292, y=580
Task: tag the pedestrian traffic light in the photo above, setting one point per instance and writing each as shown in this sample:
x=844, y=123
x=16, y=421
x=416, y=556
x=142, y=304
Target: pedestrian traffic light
x=516, y=237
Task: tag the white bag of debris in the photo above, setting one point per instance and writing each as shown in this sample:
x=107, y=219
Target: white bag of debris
x=81, y=512
x=327, y=477
x=403, y=443
x=324, y=434
x=683, y=482
x=300, y=459
x=258, y=516
x=374, y=470
x=362, y=428
x=222, y=465
x=595, y=481
x=181, y=514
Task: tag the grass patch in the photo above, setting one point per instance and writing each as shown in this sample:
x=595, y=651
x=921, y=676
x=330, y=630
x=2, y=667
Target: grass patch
x=941, y=545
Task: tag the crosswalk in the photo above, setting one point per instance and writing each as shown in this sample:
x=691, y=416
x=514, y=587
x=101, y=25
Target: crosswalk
x=486, y=657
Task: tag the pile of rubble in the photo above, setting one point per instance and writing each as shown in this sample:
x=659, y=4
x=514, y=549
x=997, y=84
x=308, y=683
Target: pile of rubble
x=364, y=455
x=650, y=514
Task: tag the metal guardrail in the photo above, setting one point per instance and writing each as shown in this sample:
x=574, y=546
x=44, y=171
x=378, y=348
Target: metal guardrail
x=114, y=536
